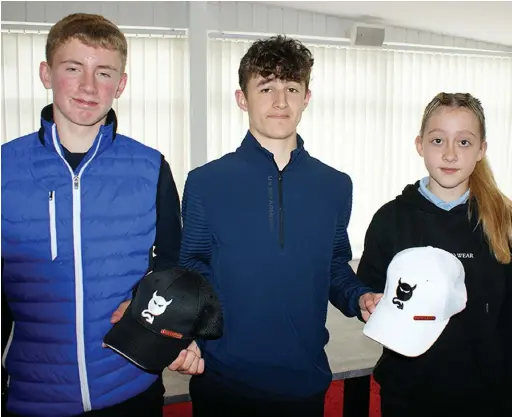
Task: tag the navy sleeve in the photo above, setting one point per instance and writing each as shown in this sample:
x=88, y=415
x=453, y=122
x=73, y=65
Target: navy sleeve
x=345, y=288
x=166, y=248
x=168, y=220
x=196, y=245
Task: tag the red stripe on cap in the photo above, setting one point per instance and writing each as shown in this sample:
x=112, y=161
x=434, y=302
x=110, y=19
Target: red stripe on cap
x=169, y=333
x=424, y=318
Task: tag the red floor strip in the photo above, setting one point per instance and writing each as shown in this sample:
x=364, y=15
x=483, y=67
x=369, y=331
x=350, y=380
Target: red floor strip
x=178, y=410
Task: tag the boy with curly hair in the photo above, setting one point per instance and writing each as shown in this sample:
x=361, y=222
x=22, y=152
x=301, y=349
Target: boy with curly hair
x=267, y=225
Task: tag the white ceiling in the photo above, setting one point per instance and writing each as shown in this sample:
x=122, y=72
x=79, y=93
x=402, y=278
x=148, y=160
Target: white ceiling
x=485, y=21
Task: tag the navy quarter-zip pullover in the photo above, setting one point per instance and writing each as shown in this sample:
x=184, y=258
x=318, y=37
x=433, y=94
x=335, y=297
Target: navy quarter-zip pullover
x=274, y=245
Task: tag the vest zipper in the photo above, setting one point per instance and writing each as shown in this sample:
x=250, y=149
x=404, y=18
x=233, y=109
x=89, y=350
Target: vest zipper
x=79, y=285
x=53, y=226
x=6, y=352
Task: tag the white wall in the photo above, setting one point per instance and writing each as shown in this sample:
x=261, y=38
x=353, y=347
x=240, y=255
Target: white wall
x=223, y=16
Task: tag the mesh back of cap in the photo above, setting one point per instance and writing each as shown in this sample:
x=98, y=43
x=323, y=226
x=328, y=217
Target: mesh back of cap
x=210, y=322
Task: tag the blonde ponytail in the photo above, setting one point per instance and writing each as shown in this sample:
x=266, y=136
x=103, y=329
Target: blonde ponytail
x=494, y=210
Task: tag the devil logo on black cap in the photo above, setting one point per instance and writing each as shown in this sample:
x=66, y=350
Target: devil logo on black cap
x=403, y=293
x=156, y=307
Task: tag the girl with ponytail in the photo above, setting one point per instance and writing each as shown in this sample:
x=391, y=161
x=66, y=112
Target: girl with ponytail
x=459, y=208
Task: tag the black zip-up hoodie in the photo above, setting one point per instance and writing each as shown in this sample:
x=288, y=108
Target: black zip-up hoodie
x=465, y=367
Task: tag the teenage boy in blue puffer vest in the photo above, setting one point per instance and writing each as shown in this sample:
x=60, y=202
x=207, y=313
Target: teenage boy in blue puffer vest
x=82, y=208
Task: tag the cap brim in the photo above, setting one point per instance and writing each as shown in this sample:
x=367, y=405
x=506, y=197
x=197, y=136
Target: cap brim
x=146, y=349
x=399, y=332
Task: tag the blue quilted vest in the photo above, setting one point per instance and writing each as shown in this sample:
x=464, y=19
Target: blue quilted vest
x=74, y=245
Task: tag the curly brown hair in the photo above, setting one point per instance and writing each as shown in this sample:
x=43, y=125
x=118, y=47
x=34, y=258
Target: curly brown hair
x=279, y=56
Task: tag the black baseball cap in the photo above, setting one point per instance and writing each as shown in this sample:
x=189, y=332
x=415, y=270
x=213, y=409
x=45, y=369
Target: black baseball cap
x=171, y=308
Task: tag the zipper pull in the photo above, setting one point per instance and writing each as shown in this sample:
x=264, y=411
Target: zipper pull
x=76, y=182
x=487, y=307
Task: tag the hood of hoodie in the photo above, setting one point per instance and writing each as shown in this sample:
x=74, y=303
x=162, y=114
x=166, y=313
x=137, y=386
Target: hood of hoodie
x=412, y=197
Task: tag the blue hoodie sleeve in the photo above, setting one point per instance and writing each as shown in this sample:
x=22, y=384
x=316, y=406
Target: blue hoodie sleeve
x=345, y=288
x=196, y=244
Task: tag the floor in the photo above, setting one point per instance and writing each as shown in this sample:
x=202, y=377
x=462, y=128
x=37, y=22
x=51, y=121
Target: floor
x=350, y=353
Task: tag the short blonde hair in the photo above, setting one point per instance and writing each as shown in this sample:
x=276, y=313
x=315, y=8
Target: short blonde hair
x=90, y=29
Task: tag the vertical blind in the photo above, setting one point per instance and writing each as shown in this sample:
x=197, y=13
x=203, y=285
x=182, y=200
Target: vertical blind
x=154, y=108
x=366, y=111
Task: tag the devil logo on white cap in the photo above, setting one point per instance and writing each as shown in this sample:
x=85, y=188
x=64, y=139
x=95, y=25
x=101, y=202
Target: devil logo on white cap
x=403, y=293
x=156, y=307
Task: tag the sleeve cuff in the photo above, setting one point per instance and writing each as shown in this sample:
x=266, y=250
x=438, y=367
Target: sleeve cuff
x=355, y=311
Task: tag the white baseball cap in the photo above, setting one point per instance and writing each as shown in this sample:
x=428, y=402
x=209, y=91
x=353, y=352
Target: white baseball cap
x=424, y=289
